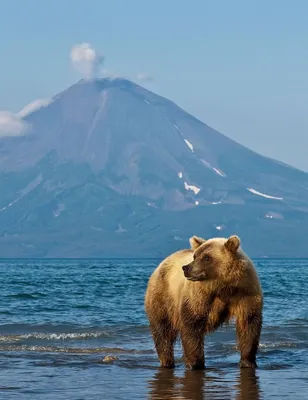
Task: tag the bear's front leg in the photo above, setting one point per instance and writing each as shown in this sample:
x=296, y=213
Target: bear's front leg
x=164, y=336
x=248, y=329
x=192, y=337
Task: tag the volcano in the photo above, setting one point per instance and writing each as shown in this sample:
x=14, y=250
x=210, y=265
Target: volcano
x=110, y=169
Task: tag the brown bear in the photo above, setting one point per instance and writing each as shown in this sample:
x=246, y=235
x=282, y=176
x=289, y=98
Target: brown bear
x=194, y=291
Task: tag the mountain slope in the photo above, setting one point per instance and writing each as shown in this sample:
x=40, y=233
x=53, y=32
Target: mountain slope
x=111, y=169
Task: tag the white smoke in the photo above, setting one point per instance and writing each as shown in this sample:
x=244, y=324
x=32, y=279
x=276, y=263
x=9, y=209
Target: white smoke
x=142, y=77
x=86, y=60
x=105, y=73
x=11, y=124
x=89, y=63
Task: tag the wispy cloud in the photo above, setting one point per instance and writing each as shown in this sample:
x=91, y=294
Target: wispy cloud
x=34, y=106
x=105, y=73
x=86, y=60
x=142, y=77
x=12, y=125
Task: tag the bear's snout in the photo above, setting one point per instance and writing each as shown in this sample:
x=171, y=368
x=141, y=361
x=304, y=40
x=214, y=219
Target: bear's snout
x=186, y=269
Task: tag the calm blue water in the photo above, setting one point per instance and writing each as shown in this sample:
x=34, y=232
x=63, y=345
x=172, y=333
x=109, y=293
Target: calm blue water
x=60, y=318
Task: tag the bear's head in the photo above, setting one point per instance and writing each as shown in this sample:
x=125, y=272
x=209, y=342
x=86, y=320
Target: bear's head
x=214, y=259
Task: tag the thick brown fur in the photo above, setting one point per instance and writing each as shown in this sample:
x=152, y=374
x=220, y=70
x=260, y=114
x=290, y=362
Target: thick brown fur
x=193, y=292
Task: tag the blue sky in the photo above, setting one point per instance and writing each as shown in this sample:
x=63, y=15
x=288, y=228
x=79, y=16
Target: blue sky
x=240, y=66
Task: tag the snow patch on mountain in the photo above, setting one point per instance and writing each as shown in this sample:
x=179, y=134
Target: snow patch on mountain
x=24, y=192
x=189, y=145
x=59, y=209
x=216, y=170
x=219, y=172
x=273, y=215
x=267, y=196
x=195, y=189
x=9, y=205
x=120, y=229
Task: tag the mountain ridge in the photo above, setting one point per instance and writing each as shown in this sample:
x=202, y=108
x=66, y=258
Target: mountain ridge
x=108, y=168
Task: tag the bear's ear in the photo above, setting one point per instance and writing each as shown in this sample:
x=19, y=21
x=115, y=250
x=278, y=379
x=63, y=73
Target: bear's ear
x=196, y=242
x=233, y=243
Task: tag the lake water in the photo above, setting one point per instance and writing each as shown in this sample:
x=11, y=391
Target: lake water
x=60, y=318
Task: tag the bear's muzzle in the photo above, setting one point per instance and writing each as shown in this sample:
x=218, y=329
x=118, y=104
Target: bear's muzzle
x=187, y=270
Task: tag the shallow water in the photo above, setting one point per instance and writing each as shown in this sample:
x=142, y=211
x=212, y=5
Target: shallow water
x=60, y=318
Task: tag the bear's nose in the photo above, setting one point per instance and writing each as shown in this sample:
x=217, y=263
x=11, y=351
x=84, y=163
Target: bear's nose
x=185, y=268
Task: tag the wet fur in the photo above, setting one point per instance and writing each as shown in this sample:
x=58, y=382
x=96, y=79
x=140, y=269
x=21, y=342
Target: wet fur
x=228, y=289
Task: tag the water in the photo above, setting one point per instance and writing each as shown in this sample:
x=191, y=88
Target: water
x=60, y=318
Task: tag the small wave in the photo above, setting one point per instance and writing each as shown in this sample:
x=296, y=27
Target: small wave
x=54, y=336
x=297, y=322
x=273, y=345
x=85, y=306
x=12, y=333
x=279, y=345
x=26, y=296
x=53, y=349
x=10, y=388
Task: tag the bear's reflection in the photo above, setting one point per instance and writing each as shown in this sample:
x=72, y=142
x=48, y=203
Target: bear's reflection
x=247, y=386
x=199, y=385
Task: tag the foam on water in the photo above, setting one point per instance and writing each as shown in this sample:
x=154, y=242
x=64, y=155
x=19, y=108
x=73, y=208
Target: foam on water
x=76, y=350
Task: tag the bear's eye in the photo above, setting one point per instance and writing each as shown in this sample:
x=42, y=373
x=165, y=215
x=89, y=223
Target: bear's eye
x=207, y=257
